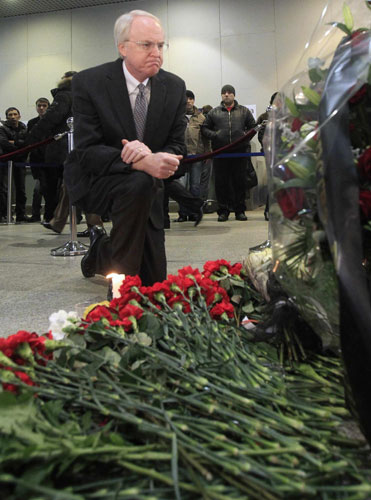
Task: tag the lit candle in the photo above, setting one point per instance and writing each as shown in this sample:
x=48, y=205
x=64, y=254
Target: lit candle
x=117, y=280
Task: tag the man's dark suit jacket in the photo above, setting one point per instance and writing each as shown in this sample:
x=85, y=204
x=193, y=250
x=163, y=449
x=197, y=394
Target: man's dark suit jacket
x=103, y=117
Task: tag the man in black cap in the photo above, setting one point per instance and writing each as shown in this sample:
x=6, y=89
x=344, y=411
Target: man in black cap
x=223, y=125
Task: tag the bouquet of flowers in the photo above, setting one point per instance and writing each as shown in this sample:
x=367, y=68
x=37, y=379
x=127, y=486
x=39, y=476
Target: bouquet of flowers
x=160, y=393
x=318, y=149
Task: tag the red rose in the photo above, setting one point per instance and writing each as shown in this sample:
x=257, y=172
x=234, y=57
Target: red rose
x=291, y=201
x=296, y=124
x=364, y=164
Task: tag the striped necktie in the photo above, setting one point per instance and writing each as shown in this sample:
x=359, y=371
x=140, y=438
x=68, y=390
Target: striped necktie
x=140, y=112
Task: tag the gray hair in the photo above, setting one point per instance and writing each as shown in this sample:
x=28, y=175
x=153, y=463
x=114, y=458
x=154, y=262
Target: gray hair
x=123, y=24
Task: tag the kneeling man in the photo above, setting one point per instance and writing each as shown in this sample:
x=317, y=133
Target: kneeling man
x=129, y=126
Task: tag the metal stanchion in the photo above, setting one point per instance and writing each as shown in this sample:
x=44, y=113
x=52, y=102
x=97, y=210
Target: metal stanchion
x=72, y=247
x=9, y=199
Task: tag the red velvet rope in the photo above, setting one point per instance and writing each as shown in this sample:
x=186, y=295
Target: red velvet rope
x=7, y=156
x=249, y=135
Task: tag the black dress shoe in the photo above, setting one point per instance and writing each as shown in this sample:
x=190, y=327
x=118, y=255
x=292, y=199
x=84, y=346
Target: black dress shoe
x=89, y=261
x=35, y=218
x=84, y=234
x=198, y=218
x=241, y=216
x=181, y=218
x=22, y=218
x=223, y=218
x=47, y=225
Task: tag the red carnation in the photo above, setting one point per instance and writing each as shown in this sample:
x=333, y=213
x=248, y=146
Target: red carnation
x=188, y=270
x=236, y=269
x=222, y=307
x=98, y=313
x=211, y=266
x=131, y=310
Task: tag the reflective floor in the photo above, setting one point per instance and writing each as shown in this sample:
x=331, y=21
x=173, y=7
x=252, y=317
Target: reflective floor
x=34, y=284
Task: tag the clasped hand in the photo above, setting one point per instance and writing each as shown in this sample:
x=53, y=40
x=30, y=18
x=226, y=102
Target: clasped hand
x=159, y=165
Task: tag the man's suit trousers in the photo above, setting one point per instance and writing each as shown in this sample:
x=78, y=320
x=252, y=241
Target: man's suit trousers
x=135, y=245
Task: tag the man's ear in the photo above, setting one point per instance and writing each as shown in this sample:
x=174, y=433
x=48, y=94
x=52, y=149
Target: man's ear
x=122, y=49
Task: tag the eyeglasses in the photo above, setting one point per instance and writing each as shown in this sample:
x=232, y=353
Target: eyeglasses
x=149, y=46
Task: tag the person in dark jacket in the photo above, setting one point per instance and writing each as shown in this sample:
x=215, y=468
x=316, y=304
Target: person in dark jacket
x=12, y=137
x=223, y=125
x=37, y=158
x=54, y=122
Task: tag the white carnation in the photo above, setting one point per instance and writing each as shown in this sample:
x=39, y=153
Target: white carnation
x=58, y=321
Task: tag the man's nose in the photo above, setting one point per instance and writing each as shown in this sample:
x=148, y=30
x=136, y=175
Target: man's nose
x=156, y=49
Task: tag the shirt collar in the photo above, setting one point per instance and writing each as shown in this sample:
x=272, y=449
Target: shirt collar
x=131, y=82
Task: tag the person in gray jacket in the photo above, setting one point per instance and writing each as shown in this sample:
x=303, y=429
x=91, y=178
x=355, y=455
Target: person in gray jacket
x=223, y=125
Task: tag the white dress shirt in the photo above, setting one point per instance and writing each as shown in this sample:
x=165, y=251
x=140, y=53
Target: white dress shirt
x=132, y=86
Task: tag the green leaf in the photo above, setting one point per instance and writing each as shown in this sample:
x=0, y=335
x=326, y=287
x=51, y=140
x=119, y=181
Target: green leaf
x=348, y=17
x=152, y=325
x=142, y=338
x=52, y=410
x=299, y=183
x=311, y=95
x=112, y=357
x=116, y=439
x=16, y=411
x=248, y=308
x=342, y=27
x=299, y=170
x=317, y=75
x=86, y=421
x=292, y=107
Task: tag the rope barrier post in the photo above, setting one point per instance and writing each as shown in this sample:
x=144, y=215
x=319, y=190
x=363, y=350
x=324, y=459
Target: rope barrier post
x=9, y=198
x=72, y=247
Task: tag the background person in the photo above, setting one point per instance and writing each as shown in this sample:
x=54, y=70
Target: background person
x=199, y=171
x=223, y=125
x=12, y=137
x=54, y=122
x=38, y=156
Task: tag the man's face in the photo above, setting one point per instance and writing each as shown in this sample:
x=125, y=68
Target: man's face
x=41, y=107
x=228, y=98
x=140, y=62
x=13, y=117
x=190, y=104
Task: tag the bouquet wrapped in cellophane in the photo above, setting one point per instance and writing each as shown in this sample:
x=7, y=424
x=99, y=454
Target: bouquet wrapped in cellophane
x=318, y=153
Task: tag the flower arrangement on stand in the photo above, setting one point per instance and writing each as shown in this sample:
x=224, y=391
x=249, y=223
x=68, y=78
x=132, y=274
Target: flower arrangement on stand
x=318, y=150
